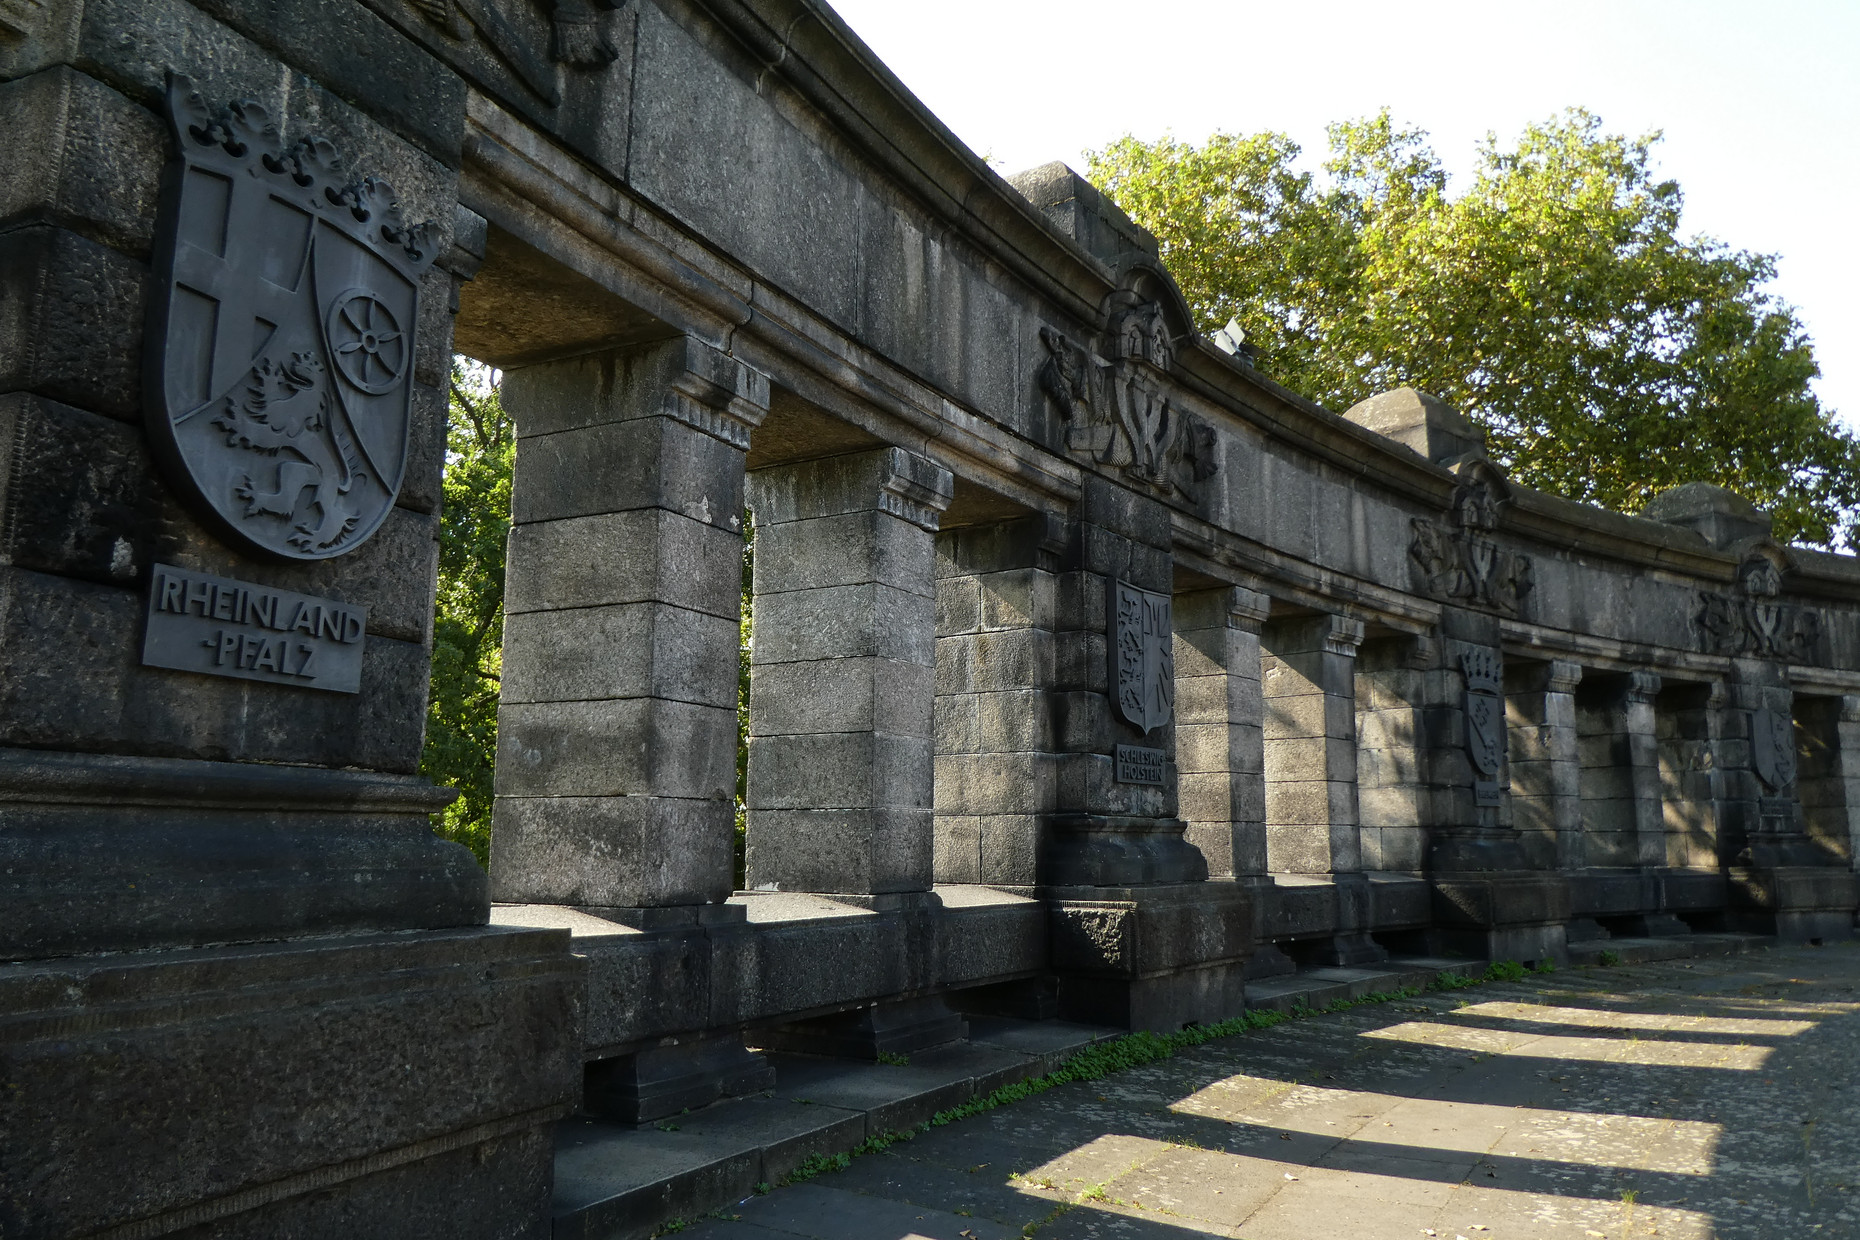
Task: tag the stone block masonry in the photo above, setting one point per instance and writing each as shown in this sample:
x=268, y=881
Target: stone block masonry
x=1094, y=675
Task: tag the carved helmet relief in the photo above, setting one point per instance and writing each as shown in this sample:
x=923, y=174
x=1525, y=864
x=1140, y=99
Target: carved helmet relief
x=1751, y=620
x=1456, y=562
x=280, y=366
x=1115, y=403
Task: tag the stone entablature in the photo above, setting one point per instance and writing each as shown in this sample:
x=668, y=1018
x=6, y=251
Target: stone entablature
x=1093, y=672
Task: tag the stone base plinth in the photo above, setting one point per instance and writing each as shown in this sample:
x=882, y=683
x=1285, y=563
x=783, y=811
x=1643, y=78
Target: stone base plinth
x=102, y=852
x=1501, y=916
x=381, y=1086
x=1800, y=903
x=899, y=1027
x=1151, y=957
x=1100, y=850
x=664, y=1080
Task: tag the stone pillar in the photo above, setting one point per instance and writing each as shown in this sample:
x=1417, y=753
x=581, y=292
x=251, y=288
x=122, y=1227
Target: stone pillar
x=843, y=673
x=1620, y=780
x=1308, y=677
x=1780, y=882
x=1688, y=718
x=224, y=901
x=1219, y=710
x=1829, y=774
x=1619, y=890
x=1313, y=836
x=997, y=590
x=617, y=728
x=1546, y=772
x=1031, y=788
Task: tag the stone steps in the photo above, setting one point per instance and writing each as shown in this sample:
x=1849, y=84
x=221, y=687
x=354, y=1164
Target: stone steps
x=1676, y=947
x=618, y=1182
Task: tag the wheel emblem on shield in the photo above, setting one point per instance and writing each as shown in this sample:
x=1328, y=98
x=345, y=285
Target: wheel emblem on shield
x=279, y=378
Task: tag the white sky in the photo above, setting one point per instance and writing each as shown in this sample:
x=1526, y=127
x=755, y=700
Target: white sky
x=1759, y=102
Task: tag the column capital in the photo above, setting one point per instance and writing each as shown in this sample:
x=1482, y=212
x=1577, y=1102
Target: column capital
x=716, y=394
x=914, y=488
x=1642, y=686
x=1562, y=676
x=1556, y=676
x=1247, y=609
x=1342, y=635
x=889, y=480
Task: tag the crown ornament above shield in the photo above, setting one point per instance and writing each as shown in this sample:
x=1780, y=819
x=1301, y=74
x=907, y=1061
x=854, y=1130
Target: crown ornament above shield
x=280, y=349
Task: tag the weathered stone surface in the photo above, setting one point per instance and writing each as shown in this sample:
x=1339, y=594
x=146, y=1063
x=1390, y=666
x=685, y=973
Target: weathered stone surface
x=79, y=155
x=71, y=320
x=70, y=679
x=677, y=221
x=472, y=1041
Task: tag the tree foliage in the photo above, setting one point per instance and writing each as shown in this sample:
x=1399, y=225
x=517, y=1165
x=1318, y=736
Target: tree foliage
x=468, y=625
x=1554, y=300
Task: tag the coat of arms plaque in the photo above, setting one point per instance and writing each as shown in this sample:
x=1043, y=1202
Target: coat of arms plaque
x=281, y=339
x=1485, y=721
x=1142, y=656
x=1772, y=748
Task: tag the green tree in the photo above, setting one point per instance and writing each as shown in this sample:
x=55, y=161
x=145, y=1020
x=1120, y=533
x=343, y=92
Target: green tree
x=1554, y=300
x=468, y=625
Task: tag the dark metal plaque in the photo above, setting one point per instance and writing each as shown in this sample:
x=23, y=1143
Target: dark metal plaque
x=1133, y=764
x=201, y=623
x=281, y=339
x=1772, y=748
x=1142, y=649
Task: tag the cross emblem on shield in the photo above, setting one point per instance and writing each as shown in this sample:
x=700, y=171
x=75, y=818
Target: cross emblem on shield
x=1142, y=656
x=281, y=338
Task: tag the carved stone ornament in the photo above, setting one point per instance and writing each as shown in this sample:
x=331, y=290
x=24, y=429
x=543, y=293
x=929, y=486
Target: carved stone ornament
x=280, y=343
x=1458, y=563
x=1772, y=748
x=1114, y=405
x=1751, y=622
x=578, y=36
x=1484, y=707
x=1142, y=656
x=1458, y=566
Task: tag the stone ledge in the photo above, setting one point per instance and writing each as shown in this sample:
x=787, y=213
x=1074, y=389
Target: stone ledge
x=793, y=956
x=617, y=1183
x=52, y=777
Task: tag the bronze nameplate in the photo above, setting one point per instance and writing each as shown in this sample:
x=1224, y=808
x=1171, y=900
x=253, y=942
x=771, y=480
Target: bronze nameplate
x=201, y=623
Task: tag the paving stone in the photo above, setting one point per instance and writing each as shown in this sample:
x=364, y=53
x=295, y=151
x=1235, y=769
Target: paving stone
x=1693, y=1098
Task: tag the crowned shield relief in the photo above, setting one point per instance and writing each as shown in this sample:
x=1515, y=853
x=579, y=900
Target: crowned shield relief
x=281, y=341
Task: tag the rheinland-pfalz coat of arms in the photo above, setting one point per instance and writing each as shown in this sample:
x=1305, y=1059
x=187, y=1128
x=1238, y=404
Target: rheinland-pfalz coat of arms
x=281, y=339
x=1142, y=656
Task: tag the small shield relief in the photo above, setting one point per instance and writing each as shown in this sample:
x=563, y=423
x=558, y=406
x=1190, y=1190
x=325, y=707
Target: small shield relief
x=1142, y=656
x=281, y=342
x=1485, y=735
x=1772, y=748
